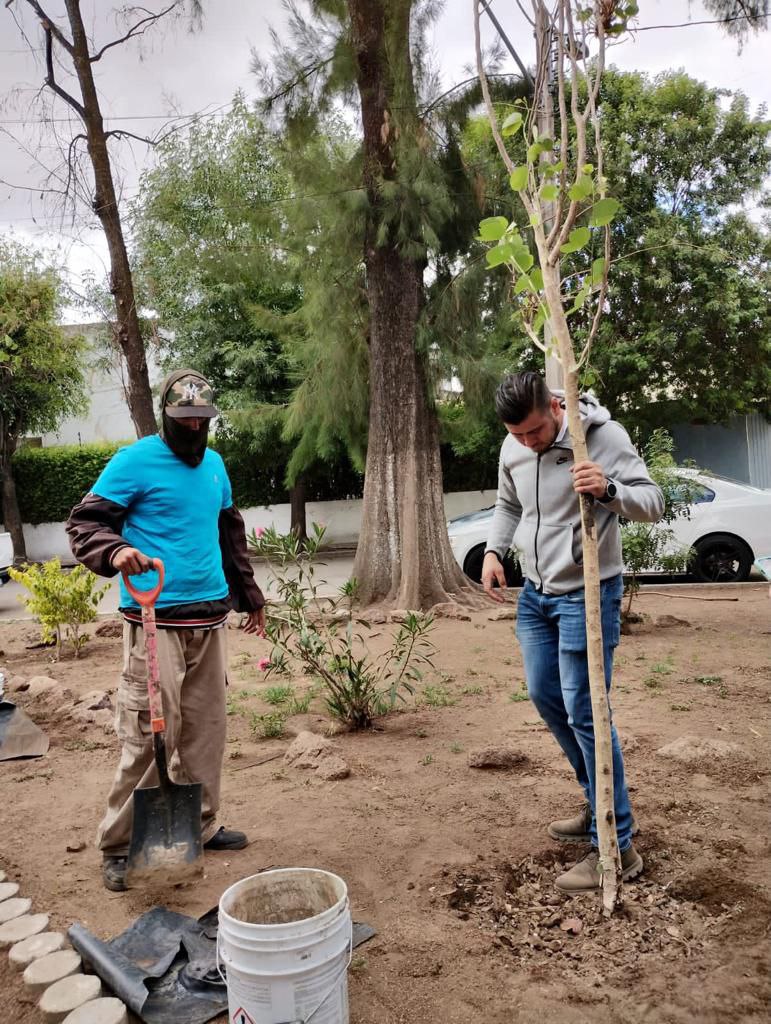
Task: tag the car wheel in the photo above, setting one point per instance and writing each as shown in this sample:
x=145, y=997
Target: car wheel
x=721, y=558
x=473, y=567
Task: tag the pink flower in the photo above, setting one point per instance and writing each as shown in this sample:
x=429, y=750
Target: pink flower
x=259, y=531
x=263, y=664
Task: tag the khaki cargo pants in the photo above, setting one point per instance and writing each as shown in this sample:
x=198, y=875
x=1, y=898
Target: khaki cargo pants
x=192, y=666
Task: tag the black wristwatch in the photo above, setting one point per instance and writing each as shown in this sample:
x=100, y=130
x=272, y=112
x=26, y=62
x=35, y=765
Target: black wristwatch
x=610, y=491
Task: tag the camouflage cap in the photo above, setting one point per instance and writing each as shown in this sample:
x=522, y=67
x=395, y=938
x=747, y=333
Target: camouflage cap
x=190, y=397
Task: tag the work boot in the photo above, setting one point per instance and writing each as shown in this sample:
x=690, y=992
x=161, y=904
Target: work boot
x=226, y=839
x=576, y=830
x=114, y=873
x=585, y=876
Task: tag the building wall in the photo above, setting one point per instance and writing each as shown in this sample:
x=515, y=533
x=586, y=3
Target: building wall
x=107, y=418
x=740, y=450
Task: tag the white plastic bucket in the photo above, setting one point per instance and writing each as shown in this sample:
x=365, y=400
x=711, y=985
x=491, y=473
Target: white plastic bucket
x=285, y=939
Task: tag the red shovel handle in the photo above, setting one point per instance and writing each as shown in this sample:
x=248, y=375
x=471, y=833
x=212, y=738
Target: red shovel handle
x=146, y=598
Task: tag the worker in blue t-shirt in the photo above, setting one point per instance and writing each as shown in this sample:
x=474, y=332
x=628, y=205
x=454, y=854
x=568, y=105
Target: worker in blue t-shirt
x=168, y=496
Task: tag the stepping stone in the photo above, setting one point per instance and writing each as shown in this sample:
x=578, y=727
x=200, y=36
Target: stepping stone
x=3, y=876
x=67, y=995
x=99, y=1011
x=22, y=928
x=23, y=953
x=48, y=969
x=7, y=889
x=14, y=908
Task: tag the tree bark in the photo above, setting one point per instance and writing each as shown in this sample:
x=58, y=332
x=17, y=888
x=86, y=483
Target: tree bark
x=403, y=556
x=11, y=513
x=139, y=395
x=297, y=519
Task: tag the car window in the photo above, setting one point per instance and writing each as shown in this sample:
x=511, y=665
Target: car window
x=699, y=493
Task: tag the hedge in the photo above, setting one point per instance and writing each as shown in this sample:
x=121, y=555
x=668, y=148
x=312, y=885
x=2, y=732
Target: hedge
x=50, y=481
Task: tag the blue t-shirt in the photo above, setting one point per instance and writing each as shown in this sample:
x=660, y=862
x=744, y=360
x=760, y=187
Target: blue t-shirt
x=173, y=514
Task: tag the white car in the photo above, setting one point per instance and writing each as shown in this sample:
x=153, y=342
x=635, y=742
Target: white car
x=729, y=527
x=6, y=557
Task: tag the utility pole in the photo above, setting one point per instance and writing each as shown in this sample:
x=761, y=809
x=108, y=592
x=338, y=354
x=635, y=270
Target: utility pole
x=545, y=122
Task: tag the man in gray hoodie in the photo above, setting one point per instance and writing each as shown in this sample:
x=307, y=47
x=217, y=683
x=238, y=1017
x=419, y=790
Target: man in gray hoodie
x=537, y=511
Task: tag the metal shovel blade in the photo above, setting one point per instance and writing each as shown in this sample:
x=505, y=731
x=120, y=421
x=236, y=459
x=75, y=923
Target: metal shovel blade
x=166, y=846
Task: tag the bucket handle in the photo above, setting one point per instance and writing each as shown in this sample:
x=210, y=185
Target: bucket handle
x=330, y=990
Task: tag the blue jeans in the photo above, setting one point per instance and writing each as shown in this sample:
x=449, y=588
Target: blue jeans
x=551, y=630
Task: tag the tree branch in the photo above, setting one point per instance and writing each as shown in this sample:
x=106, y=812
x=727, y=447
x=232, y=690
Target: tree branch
x=50, y=25
x=138, y=29
x=50, y=79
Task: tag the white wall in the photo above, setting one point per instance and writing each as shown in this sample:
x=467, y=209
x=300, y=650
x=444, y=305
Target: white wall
x=341, y=518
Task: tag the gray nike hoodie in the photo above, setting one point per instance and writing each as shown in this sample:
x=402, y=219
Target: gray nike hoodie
x=537, y=510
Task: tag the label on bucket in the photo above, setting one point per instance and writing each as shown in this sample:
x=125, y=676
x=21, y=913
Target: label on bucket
x=242, y=1017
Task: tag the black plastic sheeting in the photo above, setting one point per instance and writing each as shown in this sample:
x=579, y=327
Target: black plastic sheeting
x=164, y=967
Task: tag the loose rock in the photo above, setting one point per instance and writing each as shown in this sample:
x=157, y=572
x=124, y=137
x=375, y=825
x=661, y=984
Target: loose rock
x=450, y=610
x=496, y=757
x=694, y=748
x=670, y=622
x=307, y=749
x=333, y=767
x=40, y=685
x=110, y=628
x=67, y=995
x=76, y=846
x=8, y=889
x=502, y=615
x=96, y=700
x=9, y=909
x=22, y=928
x=3, y=876
x=49, y=969
x=23, y=953
x=399, y=615
x=107, y=1010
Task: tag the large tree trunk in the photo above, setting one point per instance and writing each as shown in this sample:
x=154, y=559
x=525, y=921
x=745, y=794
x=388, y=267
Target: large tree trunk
x=10, y=503
x=139, y=396
x=297, y=518
x=403, y=556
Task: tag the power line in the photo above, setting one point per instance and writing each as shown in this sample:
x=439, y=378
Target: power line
x=121, y=117
x=713, y=21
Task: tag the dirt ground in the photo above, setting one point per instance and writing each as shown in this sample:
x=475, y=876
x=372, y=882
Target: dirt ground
x=451, y=864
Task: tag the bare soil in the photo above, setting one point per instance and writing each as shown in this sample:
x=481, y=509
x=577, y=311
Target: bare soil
x=451, y=864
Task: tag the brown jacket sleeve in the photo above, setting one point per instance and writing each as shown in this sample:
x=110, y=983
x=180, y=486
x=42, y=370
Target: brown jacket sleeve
x=94, y=529
x=245, y=595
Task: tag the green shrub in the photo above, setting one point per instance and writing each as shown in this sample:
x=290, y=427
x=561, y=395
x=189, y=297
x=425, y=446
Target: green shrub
x=61, y=601
x=50, y=481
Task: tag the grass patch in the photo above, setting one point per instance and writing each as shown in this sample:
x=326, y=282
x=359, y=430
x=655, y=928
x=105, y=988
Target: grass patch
x=278, y=694
x=269, y=726
x=438, y=697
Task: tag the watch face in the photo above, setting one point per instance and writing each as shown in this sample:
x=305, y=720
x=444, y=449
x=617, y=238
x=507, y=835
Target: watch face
x=610, y=490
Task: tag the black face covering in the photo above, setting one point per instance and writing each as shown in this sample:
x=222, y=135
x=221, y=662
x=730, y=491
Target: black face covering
x=188, y=445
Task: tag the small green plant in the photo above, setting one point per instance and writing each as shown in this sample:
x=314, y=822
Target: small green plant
x=663, y=668
x=472, y=691
x=301, y=705
x=679, y=707
x=652, y=682
x=278, y=694
x=708, y=680
x=427, y=760
x=269, y=726
x=438, y=697
x=456, y=748
x=519, y=695
x=358, y=684
x=359, y=963
x=61, y=601
x=421, y=733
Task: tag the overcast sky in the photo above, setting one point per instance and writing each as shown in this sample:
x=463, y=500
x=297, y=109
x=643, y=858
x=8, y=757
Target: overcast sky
x=174, y=71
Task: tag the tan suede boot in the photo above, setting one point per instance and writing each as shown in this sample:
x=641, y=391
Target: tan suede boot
x=576, y=830
x=585, y=876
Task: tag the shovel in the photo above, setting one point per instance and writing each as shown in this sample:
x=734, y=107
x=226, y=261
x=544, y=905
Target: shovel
x=165, y=845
